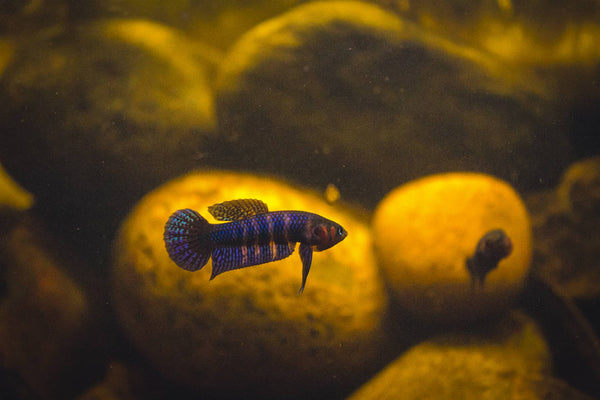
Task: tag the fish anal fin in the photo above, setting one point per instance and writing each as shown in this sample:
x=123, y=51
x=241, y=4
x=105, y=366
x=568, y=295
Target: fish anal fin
x=234, y=210
x=306, y=252
x=229, y=258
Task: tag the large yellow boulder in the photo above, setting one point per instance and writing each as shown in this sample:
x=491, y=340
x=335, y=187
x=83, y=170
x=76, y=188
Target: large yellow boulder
x=507, y=360
x=247, y=331
x=425, y=230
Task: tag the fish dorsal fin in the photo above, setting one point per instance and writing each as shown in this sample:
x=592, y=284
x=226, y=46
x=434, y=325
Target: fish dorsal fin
x=234, y=210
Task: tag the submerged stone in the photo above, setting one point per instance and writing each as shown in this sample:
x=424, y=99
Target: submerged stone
x=247, y=331
x=567, y=231
x=97, y=114
x=424, y=232
x=121, y=382
x=219, y=23
x=12, y=196
x=48, y=336
x=508, y=359
x=348, y=87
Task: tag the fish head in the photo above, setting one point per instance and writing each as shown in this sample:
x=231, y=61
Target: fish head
x=327, y=234
x=495, y=244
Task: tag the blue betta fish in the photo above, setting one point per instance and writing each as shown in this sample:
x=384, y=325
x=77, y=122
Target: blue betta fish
x=254, y=236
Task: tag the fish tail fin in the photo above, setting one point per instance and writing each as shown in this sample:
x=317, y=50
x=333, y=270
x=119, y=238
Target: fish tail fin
x=186, y=239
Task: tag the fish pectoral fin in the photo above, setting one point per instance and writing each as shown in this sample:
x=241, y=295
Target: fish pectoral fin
x=234, y=210
x=306, y=252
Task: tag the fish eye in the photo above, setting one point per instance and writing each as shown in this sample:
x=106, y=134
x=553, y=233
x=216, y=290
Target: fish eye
x=340, y=231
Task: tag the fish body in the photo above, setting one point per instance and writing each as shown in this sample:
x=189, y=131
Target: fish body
x=253, y=236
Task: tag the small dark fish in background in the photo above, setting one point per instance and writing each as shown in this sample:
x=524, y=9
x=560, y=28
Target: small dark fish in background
x=491, y=248
x=254, y=236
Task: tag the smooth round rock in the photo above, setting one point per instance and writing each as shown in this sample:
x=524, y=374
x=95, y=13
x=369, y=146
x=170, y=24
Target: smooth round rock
x=7, y=49
x=21, y=17
x=96, y=115
x=13, y=196
x=425, y=230
x=247, y=331
x=516, y=32
x=579, y=190
x=220, y=23
x=48, y=336
x=509, y=359
x=121, y=382
x=567, y=228
x=348, y=87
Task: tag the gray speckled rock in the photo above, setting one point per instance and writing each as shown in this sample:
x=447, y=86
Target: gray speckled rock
x=96, y=115
x=348, y=92
x=247, y=333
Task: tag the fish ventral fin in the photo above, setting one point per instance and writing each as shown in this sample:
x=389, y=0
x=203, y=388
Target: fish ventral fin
x=186, y=240
x=230, y=258
x=234, y=210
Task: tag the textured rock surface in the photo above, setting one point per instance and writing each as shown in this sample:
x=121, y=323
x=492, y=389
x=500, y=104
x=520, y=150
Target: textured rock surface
x=45, y=316
x=424, y=231
x=507, y=360
x=12, y=196
x=560, y=43
x=120, y=383
x=567, y=231
x=351, y=88
x=18, y=17
x=247, y=331
x=518, y=32
x=96, y=115
x=579, y=191
x=220, y=23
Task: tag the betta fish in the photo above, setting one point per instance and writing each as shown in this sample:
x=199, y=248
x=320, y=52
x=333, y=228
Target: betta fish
x=491, y=248
x=253, y=236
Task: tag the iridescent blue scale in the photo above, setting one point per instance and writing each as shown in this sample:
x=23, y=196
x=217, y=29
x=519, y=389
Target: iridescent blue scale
x=262, y=229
